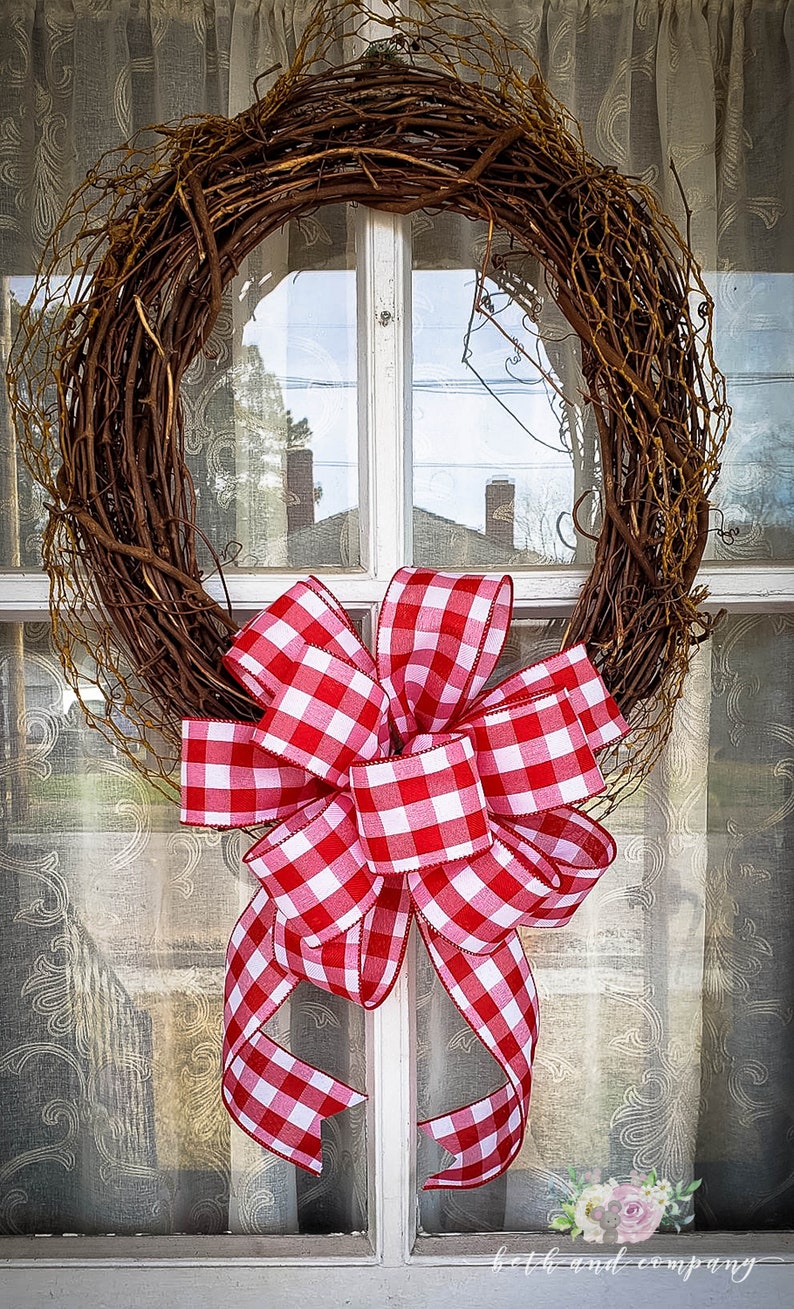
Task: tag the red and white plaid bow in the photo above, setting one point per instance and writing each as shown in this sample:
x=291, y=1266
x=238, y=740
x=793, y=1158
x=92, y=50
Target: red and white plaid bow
x=399, y=788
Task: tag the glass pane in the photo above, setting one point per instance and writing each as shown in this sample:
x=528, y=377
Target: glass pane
x=271, y=435
x=503, y=454
x=667, y=1003
x=114, y=924
x=497, y=452
x=754, y=344
x=22, y=513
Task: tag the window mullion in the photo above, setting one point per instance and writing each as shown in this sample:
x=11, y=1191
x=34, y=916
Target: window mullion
x=743, y=588
x=384, y=334
x=384, y=376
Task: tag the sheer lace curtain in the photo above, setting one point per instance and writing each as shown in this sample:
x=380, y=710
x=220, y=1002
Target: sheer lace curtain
x=667, y=1004
x=704, y=82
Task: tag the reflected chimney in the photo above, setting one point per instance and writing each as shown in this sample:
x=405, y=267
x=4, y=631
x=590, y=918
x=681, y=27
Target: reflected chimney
x=500, y=509
x=300, y=490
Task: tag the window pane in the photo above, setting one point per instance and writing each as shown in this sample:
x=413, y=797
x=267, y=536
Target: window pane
x=497, y=452
x=667, y=1006
x=114, y=925
x=754, y=330
x=501, y=457
x=22, y=513
x=271, y=434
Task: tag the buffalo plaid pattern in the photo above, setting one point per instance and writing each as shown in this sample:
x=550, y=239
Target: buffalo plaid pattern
x=469, y=825
x=327, y=717
x=475, y=903
x=421, y=809
x=362, y=964
x=580, y=850
x=305, y=615
x=313, y=867
x=570, y=670
x=497, y=997
x=262, y=1082
x=534, y=755
x=228, y=782
x=439, y=639
x=527, y=879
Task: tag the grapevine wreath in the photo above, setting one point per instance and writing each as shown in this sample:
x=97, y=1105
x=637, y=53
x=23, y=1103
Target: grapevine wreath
x=392, y=780
x=436, y=117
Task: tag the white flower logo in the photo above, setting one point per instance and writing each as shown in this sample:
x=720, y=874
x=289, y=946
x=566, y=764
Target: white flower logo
x=592, y=1197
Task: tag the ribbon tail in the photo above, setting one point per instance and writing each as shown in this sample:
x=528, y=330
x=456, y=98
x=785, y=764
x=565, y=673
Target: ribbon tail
x=496, y=996
x=462, y=1134
x=361, y=964
x=274, y=1097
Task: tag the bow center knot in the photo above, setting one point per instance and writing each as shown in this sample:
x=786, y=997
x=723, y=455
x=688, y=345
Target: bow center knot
x=423, y=807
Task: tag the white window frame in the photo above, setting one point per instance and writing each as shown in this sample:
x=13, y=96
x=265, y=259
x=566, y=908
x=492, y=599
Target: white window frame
x=392, y=1263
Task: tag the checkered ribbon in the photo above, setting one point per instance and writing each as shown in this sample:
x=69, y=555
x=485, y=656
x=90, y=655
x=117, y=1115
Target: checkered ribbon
x=399, y=787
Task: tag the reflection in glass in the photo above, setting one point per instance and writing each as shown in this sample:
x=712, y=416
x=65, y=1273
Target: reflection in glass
x=754, y=347
x=270, y=415
x=504, y=450
x=492, y=442
x=272, y=432
x=22, y=513
x=114, y=926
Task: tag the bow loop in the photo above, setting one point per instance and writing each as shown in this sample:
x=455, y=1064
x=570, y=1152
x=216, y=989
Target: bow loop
x=227, y=781
x=324, y=716
x=533, y=754
x=313, y=867
x=306, y=614
x=569, y=670
x=439, y=639
x=475, y=904
x=536, y=874
x=362, y=963
x=579, y=849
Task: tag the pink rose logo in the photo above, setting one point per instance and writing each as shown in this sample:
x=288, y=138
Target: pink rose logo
x=622, y=1211
x=640, y=1214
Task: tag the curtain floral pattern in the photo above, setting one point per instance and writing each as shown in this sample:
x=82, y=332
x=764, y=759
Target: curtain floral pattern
x=668, y=1010
x=666, y=1006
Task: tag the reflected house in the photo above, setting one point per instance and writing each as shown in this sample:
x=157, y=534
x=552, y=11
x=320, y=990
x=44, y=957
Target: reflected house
x=77, y=1062
x=333, y=542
